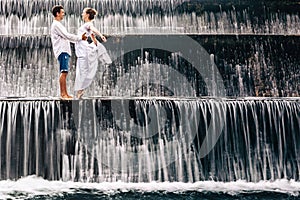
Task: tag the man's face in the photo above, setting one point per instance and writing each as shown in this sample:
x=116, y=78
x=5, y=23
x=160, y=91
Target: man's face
x=61, y=14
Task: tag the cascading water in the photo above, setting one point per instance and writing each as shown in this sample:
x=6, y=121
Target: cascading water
x=254, y=44
x=130, y=16
x=100, y=143
x=197, y=91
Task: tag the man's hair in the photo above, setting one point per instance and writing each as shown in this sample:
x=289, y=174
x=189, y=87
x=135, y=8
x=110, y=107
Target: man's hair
x=56, y=9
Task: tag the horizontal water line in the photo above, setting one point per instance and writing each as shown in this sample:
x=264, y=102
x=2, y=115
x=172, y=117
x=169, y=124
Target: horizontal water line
x=161, y=33
x=154, y=98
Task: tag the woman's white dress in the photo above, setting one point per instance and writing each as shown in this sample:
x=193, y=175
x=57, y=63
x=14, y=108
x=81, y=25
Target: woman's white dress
x=88, y=56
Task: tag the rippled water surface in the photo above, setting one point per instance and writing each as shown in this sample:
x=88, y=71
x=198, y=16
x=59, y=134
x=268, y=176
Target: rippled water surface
x=33, y=187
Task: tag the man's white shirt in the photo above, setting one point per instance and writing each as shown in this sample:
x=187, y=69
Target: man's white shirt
x=61, y=39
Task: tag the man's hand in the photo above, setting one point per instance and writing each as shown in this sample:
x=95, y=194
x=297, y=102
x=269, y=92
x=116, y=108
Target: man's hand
x=84, y=37
x=94, y=39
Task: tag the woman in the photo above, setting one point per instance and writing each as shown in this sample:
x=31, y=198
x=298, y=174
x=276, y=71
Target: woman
x=88, y=54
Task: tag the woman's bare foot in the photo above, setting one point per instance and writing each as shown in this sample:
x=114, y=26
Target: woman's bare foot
x=79, y=94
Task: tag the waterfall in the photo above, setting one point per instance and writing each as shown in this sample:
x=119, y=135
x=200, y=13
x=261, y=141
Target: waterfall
x=89, y=141
x=155, y=16
x=254, y=45
x=249, y=66
x=197, y=91
x=29, y=139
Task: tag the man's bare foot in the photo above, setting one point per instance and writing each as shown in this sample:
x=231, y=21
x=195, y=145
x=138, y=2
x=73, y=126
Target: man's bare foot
x=66, y=97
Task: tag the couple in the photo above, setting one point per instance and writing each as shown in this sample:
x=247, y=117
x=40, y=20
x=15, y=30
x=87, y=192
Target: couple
x=87, y=53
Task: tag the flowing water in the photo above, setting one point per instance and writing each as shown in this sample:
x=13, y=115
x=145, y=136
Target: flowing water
x=206, y=148
x=201, y=101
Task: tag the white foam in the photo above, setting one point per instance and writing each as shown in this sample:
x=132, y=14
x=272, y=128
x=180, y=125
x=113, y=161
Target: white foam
x=32, y=186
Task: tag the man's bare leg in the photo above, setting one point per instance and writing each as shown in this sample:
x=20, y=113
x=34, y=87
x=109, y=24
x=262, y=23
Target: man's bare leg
x=63, y=85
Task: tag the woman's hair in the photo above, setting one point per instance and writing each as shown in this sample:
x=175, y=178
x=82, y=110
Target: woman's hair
x=56, y=9
x=92, y=13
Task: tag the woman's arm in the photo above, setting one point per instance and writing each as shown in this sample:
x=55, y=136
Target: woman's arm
x=97, y=32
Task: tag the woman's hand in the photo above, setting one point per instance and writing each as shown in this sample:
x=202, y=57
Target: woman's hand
x=103, y=38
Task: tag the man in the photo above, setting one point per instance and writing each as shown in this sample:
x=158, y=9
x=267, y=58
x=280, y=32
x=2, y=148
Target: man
x=61, y=39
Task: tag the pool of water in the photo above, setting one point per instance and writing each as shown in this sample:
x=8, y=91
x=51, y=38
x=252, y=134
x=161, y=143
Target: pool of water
x=33, y=187
x=164, y=196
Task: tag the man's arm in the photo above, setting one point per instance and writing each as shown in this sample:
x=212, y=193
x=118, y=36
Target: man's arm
x=62, y=32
